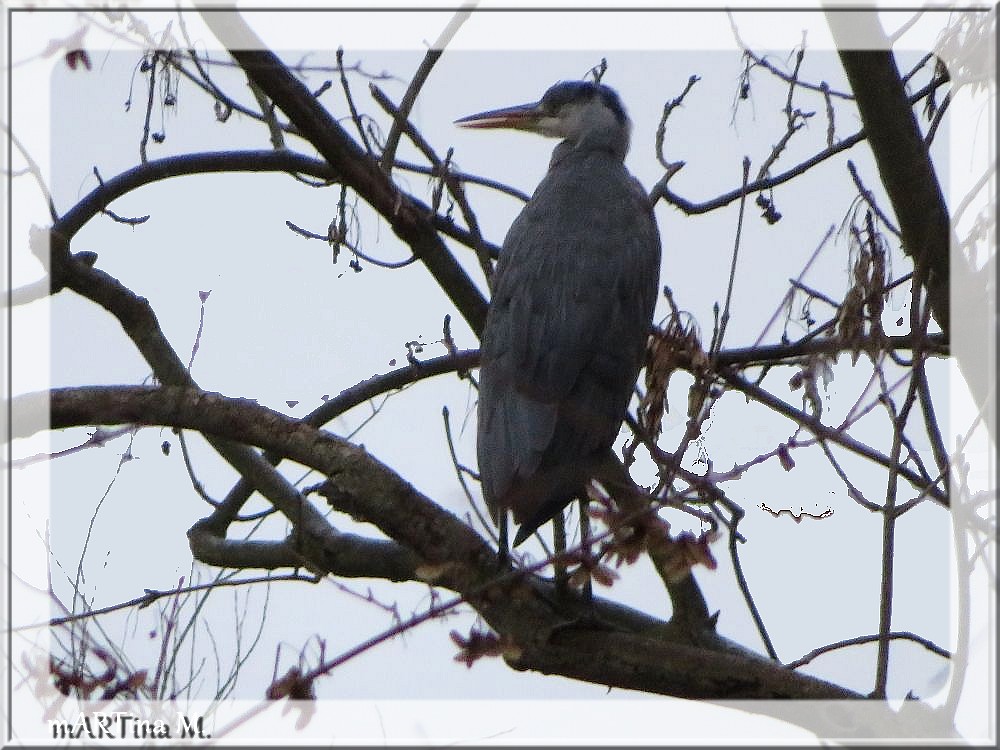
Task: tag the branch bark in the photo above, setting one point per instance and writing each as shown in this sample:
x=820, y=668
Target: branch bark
x=904, y=165
x=600, y=642
x=911, y=182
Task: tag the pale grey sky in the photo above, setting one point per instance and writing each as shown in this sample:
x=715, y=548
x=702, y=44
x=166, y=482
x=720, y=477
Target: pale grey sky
x=284, y=323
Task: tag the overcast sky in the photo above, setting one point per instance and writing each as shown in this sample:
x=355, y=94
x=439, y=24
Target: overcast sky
x=284, y=323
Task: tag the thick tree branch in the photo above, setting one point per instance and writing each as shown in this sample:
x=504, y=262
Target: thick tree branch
x=362, y=485
x=905, y=167
x=552, y=633
x=364, y=391
x=137, y=318
x=695, y=672
x=911, y=182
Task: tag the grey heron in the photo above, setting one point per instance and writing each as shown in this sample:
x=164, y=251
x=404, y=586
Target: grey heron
x=573, y=297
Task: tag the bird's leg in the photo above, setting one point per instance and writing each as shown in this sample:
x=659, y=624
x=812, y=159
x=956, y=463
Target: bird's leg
x=559, y=552
x=503, y=547
x=588, y=587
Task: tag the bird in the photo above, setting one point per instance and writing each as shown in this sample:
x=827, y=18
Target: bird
x=573, y=295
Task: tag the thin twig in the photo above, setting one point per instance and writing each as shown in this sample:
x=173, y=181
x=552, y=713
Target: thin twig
x=788, y=297
x=228, y=104
x=862, y=639
x=303, y=68
x=459, y=471
x=391, y=264
x=870, y=199
x=938, y=117
x=661, y=129
x=852, y=491
x=918, y=321
x=196, y=484
x=201, y=328
x=831, y=128
x=267, y=114
x=153, y=58
x=417, y=82
x=98, y=439
x=814, y=294
x=894, y=37
x=661, y=189
x=967, y=199
x=744, y=587
x=931, y=424
x=466, y=177
x=355, y=117
x=724, y=320
x=763, y=62
x=35, y=170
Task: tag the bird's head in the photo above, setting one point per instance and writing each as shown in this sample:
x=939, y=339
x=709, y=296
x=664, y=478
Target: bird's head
x=581, y=112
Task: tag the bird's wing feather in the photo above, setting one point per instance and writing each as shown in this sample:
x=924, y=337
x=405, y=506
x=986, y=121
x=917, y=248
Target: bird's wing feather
x=572, y=301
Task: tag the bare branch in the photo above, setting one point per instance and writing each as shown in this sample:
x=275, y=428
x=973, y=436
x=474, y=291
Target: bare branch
x=744, y=586
x=862, y=639
x=660, y=190
x=355, y=117
x=870, y=199
x=413, y=89
x=837, y=436
x=149, y=66
x=441, y=170
x=904, y=163
x=774, y=70
x=189, y=164
x=455, y=557
x=661, y=129
x=34, y=169
x=407, y=216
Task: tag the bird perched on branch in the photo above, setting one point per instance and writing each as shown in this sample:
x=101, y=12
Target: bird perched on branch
x=573, y=298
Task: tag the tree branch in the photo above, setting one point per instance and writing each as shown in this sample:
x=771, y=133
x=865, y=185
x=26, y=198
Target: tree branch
x=413, y=89
x=661, y=190
x=188, y=164
x=338, y=554
x=409, y=218
x=911, y=182
x=552, y=634
x=137, y=318
x=832, y=434
x=903, y=162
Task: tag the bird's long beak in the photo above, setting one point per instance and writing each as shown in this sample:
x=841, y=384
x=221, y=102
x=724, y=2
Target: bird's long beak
x=521, y=117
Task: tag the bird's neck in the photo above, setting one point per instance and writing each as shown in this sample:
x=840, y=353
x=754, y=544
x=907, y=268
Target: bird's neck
x=588, y=145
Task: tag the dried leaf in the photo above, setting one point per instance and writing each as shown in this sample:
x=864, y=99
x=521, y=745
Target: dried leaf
x=785, y=457
x=76, y=57
x=293, y=684
x=480, y=643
